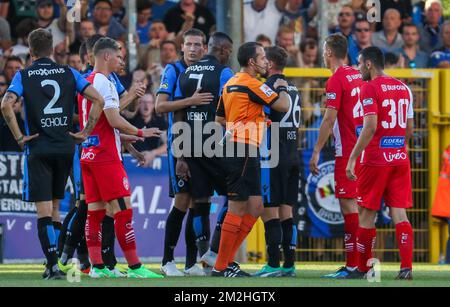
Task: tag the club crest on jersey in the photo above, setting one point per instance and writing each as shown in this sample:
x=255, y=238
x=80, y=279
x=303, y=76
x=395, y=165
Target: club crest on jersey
x=331, y=96
x=368, y=102
x=266, y=90
x=320, y=191
x=181, y=183
x=126, y=184
x=164, y=86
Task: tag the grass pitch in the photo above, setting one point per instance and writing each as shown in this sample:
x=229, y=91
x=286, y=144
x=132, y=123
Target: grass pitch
x=308, y=275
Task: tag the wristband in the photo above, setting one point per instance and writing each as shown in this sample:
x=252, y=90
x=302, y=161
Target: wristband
x=140, y=133
x=282, y=89
x=20, y=139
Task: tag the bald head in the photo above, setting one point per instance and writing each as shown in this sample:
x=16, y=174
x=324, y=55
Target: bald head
x=392, y=20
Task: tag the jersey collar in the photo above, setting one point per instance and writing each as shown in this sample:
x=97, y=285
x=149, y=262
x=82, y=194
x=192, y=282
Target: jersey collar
x=43, y=60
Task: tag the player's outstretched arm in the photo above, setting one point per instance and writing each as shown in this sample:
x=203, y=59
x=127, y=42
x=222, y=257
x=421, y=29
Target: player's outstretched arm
x=10, y=117
x=366, y=136
x=118, y=122
x=324, y=133
x=164, y=105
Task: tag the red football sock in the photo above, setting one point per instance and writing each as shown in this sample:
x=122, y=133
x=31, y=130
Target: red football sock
x=351, y=231
x=246, y=226
x=405, y=240
x=93, y=233
x=230, y=231
x=125, y=235
x=365, y=243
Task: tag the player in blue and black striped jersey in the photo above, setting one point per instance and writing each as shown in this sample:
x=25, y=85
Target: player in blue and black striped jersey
x=193, y=50
x=49, y=91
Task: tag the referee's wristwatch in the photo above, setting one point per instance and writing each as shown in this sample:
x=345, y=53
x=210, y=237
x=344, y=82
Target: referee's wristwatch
x=282, y=89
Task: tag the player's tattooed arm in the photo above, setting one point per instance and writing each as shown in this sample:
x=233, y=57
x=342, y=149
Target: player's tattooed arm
x=10, y=118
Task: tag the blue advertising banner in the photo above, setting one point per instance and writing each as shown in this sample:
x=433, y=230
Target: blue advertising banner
x=150, y=201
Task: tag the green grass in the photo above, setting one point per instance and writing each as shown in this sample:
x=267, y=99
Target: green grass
x=308, y=276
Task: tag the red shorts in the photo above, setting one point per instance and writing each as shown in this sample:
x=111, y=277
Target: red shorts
x=344, y=188
x=105, y=182
x=391, y=183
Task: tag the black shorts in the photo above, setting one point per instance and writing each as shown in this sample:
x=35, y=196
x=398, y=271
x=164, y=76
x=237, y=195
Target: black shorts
x=45, y=176
x=176, y=184
x=76, y=176
x=280, y=185
x=207, y=176
x=243, y=177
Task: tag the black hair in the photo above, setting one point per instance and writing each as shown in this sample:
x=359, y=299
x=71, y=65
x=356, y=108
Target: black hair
x=375, y=55
x=246, y=52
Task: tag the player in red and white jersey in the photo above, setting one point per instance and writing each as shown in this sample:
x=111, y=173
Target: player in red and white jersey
x=104, y=177
x=385, y=172
x=343, y=117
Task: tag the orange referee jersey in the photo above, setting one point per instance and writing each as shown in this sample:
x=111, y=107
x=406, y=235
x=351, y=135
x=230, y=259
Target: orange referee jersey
x=242, y=105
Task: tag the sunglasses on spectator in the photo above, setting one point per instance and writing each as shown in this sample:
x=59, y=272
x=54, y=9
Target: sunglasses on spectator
x=3, y=84
x=362, y=30
x=345, y=14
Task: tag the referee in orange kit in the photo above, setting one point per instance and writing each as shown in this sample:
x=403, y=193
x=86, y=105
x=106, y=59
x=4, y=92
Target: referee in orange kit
x=241, y=110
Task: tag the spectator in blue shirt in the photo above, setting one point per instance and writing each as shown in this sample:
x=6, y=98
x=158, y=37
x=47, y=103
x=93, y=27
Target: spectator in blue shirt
x=160, y=8
x=410, y=53
x=430, y=38
x=363, y=39
x=105, y=23
x=346, y=20
x=144, y=13
x=441, y=57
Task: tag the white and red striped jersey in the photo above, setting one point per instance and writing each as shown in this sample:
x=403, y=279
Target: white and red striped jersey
x=343, y=91
x=103, y=146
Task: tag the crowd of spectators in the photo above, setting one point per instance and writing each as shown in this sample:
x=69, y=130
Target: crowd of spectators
x=413, y=34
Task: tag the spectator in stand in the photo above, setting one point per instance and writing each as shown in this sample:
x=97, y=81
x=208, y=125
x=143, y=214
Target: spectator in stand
x=5, y=35
x=61, y=27
x=363, y=39
x=188, y=14
x=124, y=74
x=119, y=11
x=430, y=37
x=168, y=53
x=7, y=141
x=23, y=29
x=285, y=39
x=14, y=11
x=441, y=57
x=60, y=54
x=86, y=31
x=333, y=8
x=104, y=22
x=264, y=40
x=389, y=39
x=346, y=20
x=410, y=55
x=296, y=17
x=160, y=8
x=309, y=53
x=83, y=56
x=144, y=12
x=392, y=60
x=74, y=61
x=262, y=17
x=146, y=117
x=403, y=6
x=12, y=65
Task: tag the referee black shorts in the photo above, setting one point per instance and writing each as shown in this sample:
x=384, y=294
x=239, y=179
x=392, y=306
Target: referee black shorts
x=280, y=185
x=207, y=176
x=45, y=176
x=243, y=176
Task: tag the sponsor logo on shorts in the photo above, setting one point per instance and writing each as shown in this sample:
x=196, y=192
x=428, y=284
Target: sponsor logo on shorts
x=331, y=96
x=181, y=183
x=398, y=156
x=126, y=184
x=342, y=192
x=129, y=226
x=320, y=191
x=392, y=142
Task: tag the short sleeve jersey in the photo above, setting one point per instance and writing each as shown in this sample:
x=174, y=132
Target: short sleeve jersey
x=103, y=146
x=242, y=104
x=343, y=95
x=392, y=102
x=50, y=94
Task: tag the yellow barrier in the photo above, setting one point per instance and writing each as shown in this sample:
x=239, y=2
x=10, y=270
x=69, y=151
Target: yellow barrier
x=431, y=89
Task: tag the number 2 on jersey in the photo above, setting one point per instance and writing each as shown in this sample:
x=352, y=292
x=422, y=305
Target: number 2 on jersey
x=49, y=109
x=358, y=110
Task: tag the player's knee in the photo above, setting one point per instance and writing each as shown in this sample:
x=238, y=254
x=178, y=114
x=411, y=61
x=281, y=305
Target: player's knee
x=398, y=215
x=348, y=206
x=44, y=209
x=285, y=212
x=367, y=218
